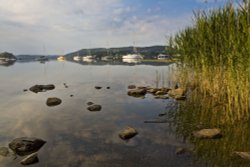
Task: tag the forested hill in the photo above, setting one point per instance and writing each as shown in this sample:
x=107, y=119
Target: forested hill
x=148, y=52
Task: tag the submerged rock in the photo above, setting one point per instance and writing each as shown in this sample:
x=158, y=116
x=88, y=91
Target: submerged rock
x=244, y=155
x=26, y=145
x=41, y=88
x=127, y=133
x=30, y=159
x=25, y=90
x=208, y=134
x=108, y=87
x=53, y=101
x=94, y=107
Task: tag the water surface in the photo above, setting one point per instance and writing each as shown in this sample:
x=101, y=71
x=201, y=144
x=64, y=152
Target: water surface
x=77, y=137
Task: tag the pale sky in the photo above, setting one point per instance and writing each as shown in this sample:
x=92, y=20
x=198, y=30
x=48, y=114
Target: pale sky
x=63, y=26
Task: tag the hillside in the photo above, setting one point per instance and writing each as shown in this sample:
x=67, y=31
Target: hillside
x=148, y=52
x=6, y=55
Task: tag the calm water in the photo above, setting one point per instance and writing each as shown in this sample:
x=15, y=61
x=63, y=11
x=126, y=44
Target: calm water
x=76, y=137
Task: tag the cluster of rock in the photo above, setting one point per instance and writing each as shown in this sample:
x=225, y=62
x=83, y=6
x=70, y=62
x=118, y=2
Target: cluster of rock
x=159, y=93
x=24, y=146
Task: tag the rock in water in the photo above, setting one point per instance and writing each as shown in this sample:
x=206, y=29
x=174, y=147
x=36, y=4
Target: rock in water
x=98, y=87
x=90, y=103
x=127, y=133
x=208, y=134
x=41, y=88
x=95, y=107
x=131, y=87
x=137, y=92
x=26, y=145
x=176, y=92
x=53, y=101
x=183, y=151
x=30, y=159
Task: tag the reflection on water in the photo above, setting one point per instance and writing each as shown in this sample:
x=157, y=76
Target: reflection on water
x=77, y=137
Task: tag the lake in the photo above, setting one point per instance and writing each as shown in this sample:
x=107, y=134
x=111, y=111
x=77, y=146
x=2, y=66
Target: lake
x=77, y=137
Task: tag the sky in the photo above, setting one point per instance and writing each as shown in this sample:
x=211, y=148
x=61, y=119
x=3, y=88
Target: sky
x=64, y=26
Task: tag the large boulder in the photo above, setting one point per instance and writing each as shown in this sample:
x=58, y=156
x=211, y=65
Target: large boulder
x=41, y=88
x=208, y=133
x=127, y=133
x=26, y=145
x=53, y=101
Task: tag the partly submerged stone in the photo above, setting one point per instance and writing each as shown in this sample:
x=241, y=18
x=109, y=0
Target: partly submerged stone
x=90, y=103
x=176, y=92
x=127, y=133
x=131, y=87
x=161, y=97
x=94, y=107
x=137, y=92
x=244, y=155
x=26, y=145
x=98, y=87
x=180, y=98
x=160, y=92
x=41, y=88
x=208, y=134
x=30, y=159
x=53, y=101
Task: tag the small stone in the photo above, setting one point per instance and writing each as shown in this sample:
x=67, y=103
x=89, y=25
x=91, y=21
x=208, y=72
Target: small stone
x=26, y=145
x=152, y=90
x=161, y=97
x=180, y=98
x=90, y=103
x=98, y=87
x=53, y=101
x=108, y=87
x=71, y=95
x=127, y=133
x=160, y=93
x=208, y=134
x=176, y=92
x=95, y=107
x=30, y=159
x=137, y=92
x=131, y=87
x=25, y=90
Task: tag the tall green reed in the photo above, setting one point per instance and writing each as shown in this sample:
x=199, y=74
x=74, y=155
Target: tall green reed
x=215, y=57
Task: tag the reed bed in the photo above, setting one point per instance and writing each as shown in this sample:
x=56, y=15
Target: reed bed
x=215, y=59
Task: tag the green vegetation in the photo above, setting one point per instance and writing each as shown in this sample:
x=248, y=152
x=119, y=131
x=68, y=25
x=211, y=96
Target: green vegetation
x=215, y=60
x=6, y=55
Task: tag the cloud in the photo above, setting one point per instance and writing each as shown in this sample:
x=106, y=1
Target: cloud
x=64, y=26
